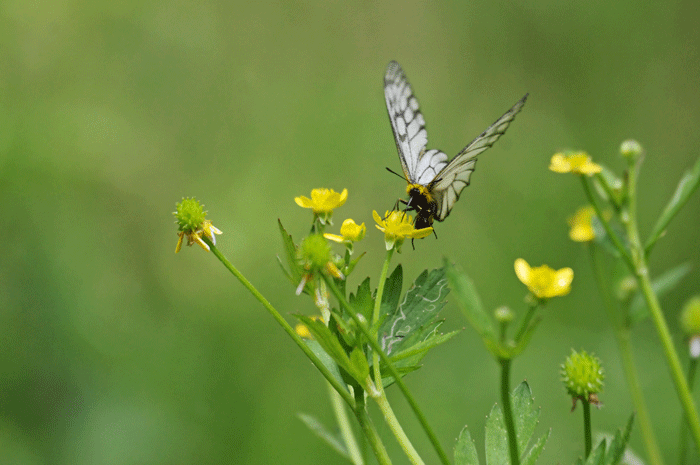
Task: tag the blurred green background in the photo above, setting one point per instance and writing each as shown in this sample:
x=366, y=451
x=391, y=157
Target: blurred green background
x=114, y=350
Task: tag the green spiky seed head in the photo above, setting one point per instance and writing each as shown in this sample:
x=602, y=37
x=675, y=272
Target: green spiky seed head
x=189, y=215
x=582, y=374
x=314, y=252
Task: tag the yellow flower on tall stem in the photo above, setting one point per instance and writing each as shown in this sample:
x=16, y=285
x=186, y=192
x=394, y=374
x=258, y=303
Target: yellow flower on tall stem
x=322, y=202
x=574, y=162
x=543, y=281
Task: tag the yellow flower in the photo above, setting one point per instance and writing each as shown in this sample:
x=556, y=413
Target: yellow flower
x=581, y=225
x=350, y=232
x=574, y=162
x=322, y=200
x=397, y=226
x=543, y=281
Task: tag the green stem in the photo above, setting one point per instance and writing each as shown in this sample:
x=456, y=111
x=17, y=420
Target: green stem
x=340, y=388
x=376, y=368
x=508, y=412
x=641, y=271
x=380, y=287
x=645, y=425
x=608, y=229
x=587, y=427
x=346, y=432
x=380, y=396
x=370, y=431
x=622, y=336
x=683, y=449
x=528, y=317
x=392, y=371
x=396, y=428
x=682, y=389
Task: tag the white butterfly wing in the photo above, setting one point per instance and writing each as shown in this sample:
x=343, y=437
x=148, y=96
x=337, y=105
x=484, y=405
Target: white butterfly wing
x=407, y=124
x=454, y=177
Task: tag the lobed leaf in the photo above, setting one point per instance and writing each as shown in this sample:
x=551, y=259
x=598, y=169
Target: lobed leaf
x=419, y=308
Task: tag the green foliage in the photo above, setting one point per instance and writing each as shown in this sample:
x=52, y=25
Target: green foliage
x=686, y=186
x=333, y=440
x=496, y=438
x=465, y=450
x=662, y=285
x=612, y=454
x=470, y=303
x=293, y=271
x=410, y=329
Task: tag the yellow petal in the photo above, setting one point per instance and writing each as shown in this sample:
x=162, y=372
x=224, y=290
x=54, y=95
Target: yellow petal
x=523, y=271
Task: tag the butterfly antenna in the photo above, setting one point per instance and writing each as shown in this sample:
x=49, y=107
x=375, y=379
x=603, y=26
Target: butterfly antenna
x=397, y=174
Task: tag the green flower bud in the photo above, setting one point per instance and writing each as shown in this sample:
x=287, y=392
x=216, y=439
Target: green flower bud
x=503, y=314
x=690, y=316
x=631, y=149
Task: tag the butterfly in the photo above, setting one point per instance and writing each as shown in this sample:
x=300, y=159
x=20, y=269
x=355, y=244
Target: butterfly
x=434, y=181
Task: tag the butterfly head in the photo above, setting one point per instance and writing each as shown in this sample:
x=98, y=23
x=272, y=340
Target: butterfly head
x=419, y=191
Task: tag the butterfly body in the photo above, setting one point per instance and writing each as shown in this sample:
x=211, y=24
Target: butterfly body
x=434, y=181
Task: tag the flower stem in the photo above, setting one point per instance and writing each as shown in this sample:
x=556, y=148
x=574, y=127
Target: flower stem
x=606, y=225
x=526, y=320
x=674, y=363
x=396, y=428
x=587, y=427
x=641, y=271
x=622, y=336
x=508, y=411
x=341, y=418
x=683, y=449
x=370, y=431
x=340, y=388
x=392, y=371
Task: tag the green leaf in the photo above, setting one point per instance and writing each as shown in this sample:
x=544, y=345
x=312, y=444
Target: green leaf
x=465, y=450
x=618, y=444
x=470, y=303
x=392, y=292
x=414, y=353
x=326, y=360
x=597, y=455
x=294, y=273
x=687, y=185
x=610, y=451
x=524, y=414
x=362, y=302
x=420, y=348
x=533, y=454
x=419, y=308
x=358, y=361
x=496, y=438
x=661, y=286
x=329, y=342
x=525, y=417
x=329, y=438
